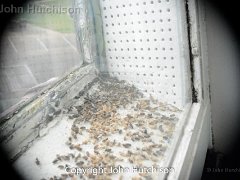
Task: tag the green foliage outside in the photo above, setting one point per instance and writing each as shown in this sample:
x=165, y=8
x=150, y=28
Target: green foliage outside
x=61, y=22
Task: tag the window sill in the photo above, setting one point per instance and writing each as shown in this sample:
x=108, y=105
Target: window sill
x=189, y=158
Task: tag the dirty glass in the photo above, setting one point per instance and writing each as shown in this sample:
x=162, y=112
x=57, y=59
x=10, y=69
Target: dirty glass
x=38, y=48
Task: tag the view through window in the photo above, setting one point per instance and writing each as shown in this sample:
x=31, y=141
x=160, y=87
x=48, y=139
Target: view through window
x=38, y=48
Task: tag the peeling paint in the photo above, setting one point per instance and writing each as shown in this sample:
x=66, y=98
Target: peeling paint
x=34, y=120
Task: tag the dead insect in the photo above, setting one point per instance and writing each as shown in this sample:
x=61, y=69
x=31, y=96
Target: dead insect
x=147, y=136
x=66, y=158
x=96, y=152
x=96, y=147
x=59, y=157
x=61, y=167
x=150, y=115
x=105, y=140
x=68, y=143
x=71, y=174
x=75, y=129
x=76, y=158
x=130, y=160
x=77, y=147
x=135, y=139
x=108, y=150
x=85, y=157
x=165, y=138
x=129, y=153
x=161, y=128
x=79, y=164
x=71, y=155
x=74, y=135
x=57, y=112
x=64, y=175
x=127, y=145
x=130, y=125
x=129, y=116
x=87, y=153
x=71, y=146
x=37, y=162
x=85, y=142
x=82, y=128
x=55, y=161
x=143, y=156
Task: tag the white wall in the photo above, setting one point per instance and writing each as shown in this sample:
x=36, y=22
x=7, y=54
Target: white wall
x=224, y=63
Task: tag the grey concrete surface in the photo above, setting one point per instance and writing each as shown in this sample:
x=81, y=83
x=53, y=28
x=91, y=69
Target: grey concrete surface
x=30, y=56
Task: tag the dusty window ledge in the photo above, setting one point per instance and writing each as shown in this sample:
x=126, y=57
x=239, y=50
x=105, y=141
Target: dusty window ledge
x=190, y=155
x=46, y=148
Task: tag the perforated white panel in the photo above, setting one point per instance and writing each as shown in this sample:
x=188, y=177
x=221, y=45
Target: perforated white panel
x=143, y=46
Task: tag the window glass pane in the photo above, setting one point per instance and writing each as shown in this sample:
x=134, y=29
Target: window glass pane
x=38, y=48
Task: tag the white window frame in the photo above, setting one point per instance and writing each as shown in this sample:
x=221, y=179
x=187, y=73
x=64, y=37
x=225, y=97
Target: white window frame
x=195, y=138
